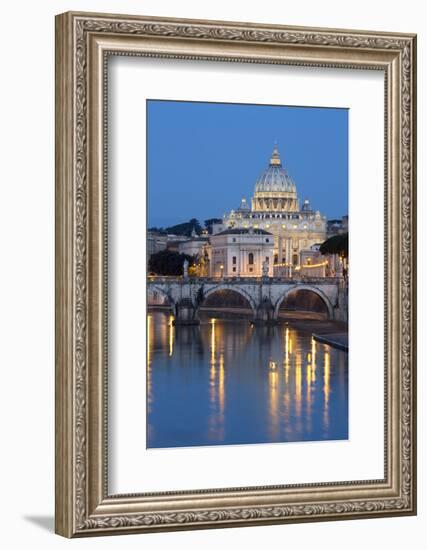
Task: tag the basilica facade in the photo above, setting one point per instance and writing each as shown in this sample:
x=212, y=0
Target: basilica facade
x=275, y=208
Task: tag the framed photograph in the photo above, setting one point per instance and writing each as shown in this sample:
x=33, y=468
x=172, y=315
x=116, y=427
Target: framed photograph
x=235, y=274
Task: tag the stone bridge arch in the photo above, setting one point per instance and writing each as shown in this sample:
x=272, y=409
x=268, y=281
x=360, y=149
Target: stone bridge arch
x=314, y=289
x=157, y=288
x=232, y=288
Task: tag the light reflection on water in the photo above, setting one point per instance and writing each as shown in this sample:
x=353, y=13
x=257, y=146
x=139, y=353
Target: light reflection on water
x=226, y=382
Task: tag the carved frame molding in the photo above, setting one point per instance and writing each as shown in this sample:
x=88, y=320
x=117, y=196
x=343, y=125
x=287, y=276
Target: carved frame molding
x=83, y=44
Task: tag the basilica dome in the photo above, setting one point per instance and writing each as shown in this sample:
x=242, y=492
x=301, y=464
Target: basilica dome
x=275, y=177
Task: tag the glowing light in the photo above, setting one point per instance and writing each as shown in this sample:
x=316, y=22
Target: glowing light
x=308, y=266
x=273, y=379
x=298, y=385
x=313, y=359
x=221, y=387
x=326, y=388
x=171, y=335
x=274, y=405
x=287, y=344
x=149, y=339
x=326, y=376
x=213, y=364
x=213, y=344
x=272, y=365
x=313, y=349
x=212, y=383
x=308, y=382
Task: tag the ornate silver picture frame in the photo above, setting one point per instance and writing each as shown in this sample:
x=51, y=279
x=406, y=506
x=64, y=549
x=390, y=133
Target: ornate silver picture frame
x=84, y=42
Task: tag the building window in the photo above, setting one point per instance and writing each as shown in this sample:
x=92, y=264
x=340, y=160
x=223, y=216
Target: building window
x=234, y=270
x=234, y=259
x=267, y=240
x=276, y=258
x=250, y=258
x=234, y=240
x=251, y=269
x=267, y=259
x=295, y=259
x=308, y=261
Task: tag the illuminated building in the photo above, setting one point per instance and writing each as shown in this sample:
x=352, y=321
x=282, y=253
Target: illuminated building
x=275, y=208
x=240, y=252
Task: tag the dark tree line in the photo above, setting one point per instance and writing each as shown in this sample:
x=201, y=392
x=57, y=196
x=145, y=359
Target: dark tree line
x=186, y=228
x=167, y=262
x=338, y=244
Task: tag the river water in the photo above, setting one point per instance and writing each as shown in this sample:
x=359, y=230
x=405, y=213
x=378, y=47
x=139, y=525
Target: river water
x=226, y=382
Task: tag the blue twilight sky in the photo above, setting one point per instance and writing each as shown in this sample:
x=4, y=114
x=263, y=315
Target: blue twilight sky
x=204, y=157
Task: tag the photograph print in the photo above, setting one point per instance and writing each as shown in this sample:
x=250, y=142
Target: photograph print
x=247, y=274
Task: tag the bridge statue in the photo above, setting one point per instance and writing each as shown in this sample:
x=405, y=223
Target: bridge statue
x=265, y=268
x=185, y=267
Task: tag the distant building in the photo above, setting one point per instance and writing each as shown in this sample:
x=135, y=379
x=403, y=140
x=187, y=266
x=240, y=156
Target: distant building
x=337, y=226
x=241, y=252
x=311, y=264
x=174, y=241
x=272, y=234
x=194, y=245
x=275, y=208
x=156, y=242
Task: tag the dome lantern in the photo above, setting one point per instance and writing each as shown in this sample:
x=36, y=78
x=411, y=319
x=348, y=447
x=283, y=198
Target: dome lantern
x=275, y=189
x=275, y=158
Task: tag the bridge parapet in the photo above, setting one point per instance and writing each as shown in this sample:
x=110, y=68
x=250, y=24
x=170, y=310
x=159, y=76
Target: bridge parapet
x=264, y=294
x=244, y=280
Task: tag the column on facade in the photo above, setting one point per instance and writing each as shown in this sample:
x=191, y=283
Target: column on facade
x=258, y=262
x=277, y=248
x=242, y=262
x=289, y=254
x=282, y=249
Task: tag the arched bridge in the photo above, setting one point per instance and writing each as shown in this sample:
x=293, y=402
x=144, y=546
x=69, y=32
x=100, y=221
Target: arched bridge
x=265, y=295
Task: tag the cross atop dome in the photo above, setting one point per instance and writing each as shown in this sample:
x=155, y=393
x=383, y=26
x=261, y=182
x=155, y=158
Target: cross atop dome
x=275, y=159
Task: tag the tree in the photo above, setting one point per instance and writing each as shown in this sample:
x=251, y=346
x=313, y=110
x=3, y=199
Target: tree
x=185, y=228
x=167, y=262
x=338, y=244
x=158, y=230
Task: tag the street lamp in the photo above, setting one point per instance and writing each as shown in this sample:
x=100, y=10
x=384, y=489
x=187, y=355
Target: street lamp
x=222, y=270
